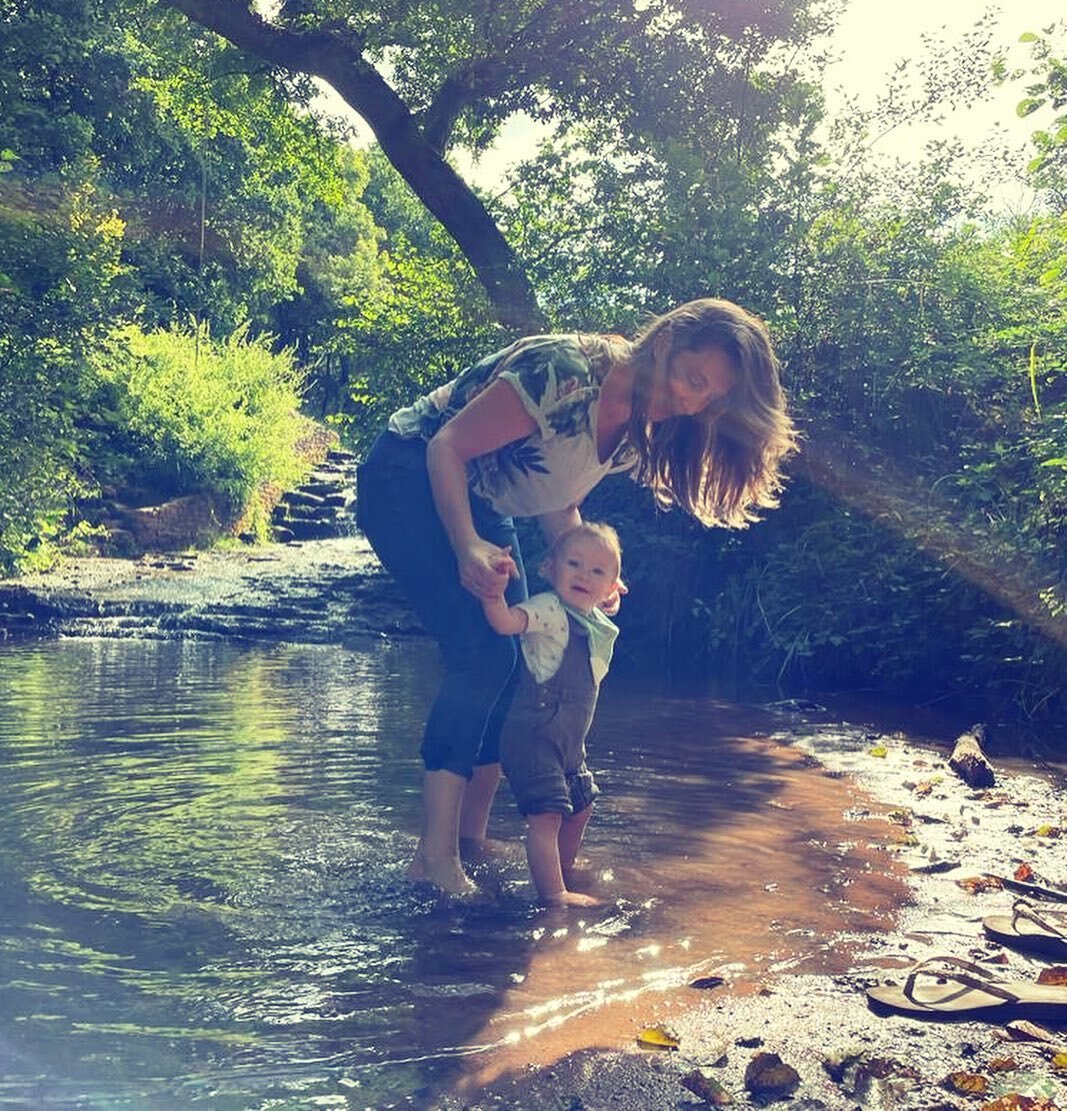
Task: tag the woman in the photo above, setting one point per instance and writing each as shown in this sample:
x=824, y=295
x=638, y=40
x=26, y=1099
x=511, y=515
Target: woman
x=693, y=408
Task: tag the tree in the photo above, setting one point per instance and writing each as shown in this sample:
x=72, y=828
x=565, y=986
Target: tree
x=431, y=75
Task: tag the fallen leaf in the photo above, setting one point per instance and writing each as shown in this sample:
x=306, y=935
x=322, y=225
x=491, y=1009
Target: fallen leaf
x=1003, y=1064
x=1059, y=1061
x=704, y=982
x=837, y=1062
x=1023, y=873
x=881, y=1068
x=975, y=885
x=768, y=1074
x=658, y=1037
x=1056, y=976
x=969, y=1083
x=1023, y=1031
x=879, y=750
x=706, y=1088
x=1048, y=831
x=1015, y=1102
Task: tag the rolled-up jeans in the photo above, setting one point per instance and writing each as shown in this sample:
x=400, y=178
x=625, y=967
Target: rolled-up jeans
x=396, y=512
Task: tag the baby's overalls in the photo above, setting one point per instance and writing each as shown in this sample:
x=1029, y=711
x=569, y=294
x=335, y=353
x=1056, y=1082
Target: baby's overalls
x=542, y=746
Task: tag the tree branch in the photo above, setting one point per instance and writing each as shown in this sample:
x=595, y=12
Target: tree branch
x=335, y=55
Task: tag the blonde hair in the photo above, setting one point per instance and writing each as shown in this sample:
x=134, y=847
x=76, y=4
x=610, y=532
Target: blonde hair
x=603, y=534
x=723, y=464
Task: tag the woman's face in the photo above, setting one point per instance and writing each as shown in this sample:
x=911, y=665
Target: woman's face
x=687, y=382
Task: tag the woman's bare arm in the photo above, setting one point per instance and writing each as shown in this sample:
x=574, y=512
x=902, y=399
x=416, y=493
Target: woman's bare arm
x=494, y=418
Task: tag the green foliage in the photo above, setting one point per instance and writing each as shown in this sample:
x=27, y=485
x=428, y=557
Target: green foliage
x=422, y=321
x=215, y=173
x=1048, y=93
x=61, y=268
x=191, y=414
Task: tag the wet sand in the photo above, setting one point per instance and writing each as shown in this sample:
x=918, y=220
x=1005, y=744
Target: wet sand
x=798, y=937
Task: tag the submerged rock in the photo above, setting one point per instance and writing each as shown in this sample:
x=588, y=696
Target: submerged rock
x=328, y=591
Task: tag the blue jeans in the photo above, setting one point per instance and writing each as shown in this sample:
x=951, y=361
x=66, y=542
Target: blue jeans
x=396, y=512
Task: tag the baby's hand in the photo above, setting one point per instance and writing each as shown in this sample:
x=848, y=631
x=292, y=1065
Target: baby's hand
x=610, y=606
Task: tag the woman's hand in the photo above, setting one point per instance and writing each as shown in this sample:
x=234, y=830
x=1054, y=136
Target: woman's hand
x=484, y=568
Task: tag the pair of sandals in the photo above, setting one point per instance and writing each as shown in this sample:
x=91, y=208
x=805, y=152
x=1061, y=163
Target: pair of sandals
x=951, y=988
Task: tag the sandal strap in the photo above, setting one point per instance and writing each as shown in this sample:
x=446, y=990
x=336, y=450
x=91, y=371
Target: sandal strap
x=944, y=968
x=1023, y=908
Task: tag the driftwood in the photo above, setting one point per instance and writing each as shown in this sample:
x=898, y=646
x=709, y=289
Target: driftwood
x=968, y=760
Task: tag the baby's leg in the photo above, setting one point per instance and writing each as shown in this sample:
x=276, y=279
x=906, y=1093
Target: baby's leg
x=572, y=829
x=543, y=854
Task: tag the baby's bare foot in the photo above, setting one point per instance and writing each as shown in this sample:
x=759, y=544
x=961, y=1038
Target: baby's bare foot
x=446, y=873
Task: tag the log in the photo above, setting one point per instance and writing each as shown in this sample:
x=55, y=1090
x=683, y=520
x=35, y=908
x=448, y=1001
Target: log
x=968, y=760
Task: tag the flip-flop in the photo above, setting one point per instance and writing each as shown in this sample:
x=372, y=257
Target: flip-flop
x=1033, y=890
x=1044, y=932
x=936, y=988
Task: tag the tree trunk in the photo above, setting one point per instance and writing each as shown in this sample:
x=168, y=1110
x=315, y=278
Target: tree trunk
x=336, y=57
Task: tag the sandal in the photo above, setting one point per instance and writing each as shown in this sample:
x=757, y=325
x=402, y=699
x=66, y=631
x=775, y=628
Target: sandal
x=936, y=988
x=1027, y=929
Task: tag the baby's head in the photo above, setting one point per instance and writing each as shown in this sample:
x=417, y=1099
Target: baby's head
x=584, y=565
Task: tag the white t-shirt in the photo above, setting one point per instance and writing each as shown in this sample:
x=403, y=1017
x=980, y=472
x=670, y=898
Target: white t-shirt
x=548, y=631
x=557, y=379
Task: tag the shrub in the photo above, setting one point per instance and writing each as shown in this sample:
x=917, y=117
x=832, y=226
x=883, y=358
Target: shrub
x=186, y=413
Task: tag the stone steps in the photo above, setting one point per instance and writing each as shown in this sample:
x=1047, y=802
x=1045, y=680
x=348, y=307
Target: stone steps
x=323, y=506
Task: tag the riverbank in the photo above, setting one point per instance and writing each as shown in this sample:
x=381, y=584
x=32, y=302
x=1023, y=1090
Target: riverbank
x=830, y=1050
x=919, y=824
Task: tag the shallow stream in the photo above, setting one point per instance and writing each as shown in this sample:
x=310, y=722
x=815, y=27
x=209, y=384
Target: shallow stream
x=201, y=880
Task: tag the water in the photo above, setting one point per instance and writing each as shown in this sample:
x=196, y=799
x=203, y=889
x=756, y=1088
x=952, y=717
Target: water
x=202, y=899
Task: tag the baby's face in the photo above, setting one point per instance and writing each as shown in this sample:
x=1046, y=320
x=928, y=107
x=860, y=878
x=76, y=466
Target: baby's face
x=584, y=572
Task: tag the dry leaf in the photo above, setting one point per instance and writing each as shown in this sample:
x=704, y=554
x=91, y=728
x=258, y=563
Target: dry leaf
x=1059, y=1061
x=1048, y=831
x=1016, y=1102
x=706, y=1088
x=1024, y=872
x=658, y=1037
x=1003, y=1064
x=767, y=1073
x=879, y=750
x=975, y=885
x=881, y=1068
x=1056, y=976
x=970, y=1083
x=1023, y=1031
x=925, y=787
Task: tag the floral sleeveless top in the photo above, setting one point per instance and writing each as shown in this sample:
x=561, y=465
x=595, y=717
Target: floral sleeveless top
x=558, y=380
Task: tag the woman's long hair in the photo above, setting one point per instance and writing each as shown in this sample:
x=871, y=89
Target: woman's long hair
x=724, y=463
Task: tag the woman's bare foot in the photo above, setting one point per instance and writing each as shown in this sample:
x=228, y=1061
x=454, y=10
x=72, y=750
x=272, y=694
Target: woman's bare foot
x=447, y=874
x=573, y=899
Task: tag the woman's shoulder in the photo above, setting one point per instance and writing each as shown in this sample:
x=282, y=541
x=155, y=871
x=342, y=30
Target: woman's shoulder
x=574, y=359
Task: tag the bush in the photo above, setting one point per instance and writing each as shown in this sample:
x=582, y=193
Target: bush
x=185, y=413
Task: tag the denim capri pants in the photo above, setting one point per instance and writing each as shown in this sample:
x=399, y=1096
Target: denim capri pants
x=396, y=512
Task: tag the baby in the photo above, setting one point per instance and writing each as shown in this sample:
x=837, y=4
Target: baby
x=566, y=649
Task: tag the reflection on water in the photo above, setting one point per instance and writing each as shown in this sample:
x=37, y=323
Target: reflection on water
x=201, y=866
